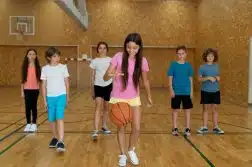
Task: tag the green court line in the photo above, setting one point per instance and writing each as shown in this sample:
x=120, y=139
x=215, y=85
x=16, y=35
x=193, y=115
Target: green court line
x=201, y=154
x=22, y=137
x=16, y=130
x=11, y=145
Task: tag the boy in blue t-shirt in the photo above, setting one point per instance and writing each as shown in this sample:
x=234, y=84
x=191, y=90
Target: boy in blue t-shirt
x=181, y=88
x=209, y=76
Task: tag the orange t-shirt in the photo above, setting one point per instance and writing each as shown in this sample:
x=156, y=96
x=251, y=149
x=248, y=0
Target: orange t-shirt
x=31, y=82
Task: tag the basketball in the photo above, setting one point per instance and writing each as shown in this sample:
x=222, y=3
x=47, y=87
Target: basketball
x=121, y=114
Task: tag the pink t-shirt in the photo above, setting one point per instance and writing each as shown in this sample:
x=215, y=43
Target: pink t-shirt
x=31, y=82
x=130, y=91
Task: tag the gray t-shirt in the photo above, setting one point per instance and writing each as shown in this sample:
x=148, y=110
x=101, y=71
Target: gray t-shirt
x=207, y=70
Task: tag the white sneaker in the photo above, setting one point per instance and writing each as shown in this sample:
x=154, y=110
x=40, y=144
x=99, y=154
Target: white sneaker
x=33, y=128
x=95, y=135
x=27, y=128
x=133, y=157
x=122, y=160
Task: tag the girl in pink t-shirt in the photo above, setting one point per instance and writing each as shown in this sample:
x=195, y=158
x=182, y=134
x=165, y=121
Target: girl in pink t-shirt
x=127, y=68
x=30, y=88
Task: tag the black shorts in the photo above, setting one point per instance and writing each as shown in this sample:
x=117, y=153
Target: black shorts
x=103, y=92
x=210, y=97
x=184, y=99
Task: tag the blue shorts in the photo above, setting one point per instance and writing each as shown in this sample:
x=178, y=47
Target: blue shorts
x=56, y=107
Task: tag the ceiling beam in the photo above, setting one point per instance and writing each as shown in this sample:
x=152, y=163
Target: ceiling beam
x=80, y=15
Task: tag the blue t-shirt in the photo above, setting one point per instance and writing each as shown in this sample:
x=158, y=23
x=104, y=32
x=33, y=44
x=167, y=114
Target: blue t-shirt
x=181, y=73
x=207, y=70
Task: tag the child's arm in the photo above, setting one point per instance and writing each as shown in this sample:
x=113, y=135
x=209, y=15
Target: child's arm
x=44, y=92
x=66, y=79
x=67, y=87
x=191, y=81
x=111, y=72
x=170, y=86
x=201, y=74
x=92, y=82
x=218, y=74
x=203, y=79
x=146, y=84
x=170, y=73
x=22, y=90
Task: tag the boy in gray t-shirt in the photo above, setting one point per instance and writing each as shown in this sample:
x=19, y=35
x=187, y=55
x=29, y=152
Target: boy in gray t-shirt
x=210, y=92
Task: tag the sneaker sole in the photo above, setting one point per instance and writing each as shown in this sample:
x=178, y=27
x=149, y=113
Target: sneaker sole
x=134, y=163
x=202, y=132
x=175, y=134
x=218, y=133
x=60, y=149
x=122, y=165
x=106, y=133
x=187, y=135
x=94, y=138
x=51, y=146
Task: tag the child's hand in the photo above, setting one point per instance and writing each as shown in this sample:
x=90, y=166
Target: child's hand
x=213, y=79
x=22, y=95
x=191, y=95
x=116, y=74
x=150, y=103
x=92, y=94
x=67, y=100
x=45, y=105
x=172, y=94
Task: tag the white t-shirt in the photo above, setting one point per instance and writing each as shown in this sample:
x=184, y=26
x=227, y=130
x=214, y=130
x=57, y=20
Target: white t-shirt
x=100, y=65
x=54, y=76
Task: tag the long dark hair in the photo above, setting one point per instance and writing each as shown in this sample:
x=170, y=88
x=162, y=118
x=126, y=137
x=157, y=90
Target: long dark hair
x=102, y=43
x=133, y=37
x=25, y=66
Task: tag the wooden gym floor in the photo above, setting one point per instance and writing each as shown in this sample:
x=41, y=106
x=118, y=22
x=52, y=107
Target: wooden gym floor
x=156, y=146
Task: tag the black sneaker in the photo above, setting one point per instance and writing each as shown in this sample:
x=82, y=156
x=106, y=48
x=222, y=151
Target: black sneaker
x=203, y=130
x=175, y=131
x=95, y=135
x=217, y=130
x=187, y=132
x=105, y=131
x=53, y=143
x=60, y=147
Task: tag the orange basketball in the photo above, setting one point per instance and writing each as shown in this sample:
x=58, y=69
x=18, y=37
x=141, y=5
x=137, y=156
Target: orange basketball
x=121, y=114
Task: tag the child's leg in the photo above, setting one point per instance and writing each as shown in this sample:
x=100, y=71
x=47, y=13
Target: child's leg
x=175, y=118
x=121, y=142
x=28, y=106
x=206, y=108
x=135, y=131
x=107, y=92
x=97, y=115
x=60, y=109
x=60, y=127
x=54, y=131
x=206, y=101
x=175, y=105
x=105, y=114
x=135, y=126
x=121, y=139
x=98, y=109
x=188, y=117
x=34, y=106
x=216, y=129
x=105, y=117
x=51, y=103
x=215, y=115
x=187, y=106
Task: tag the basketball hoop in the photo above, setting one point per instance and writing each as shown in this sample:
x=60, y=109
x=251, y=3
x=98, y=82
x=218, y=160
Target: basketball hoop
x=20, y=34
